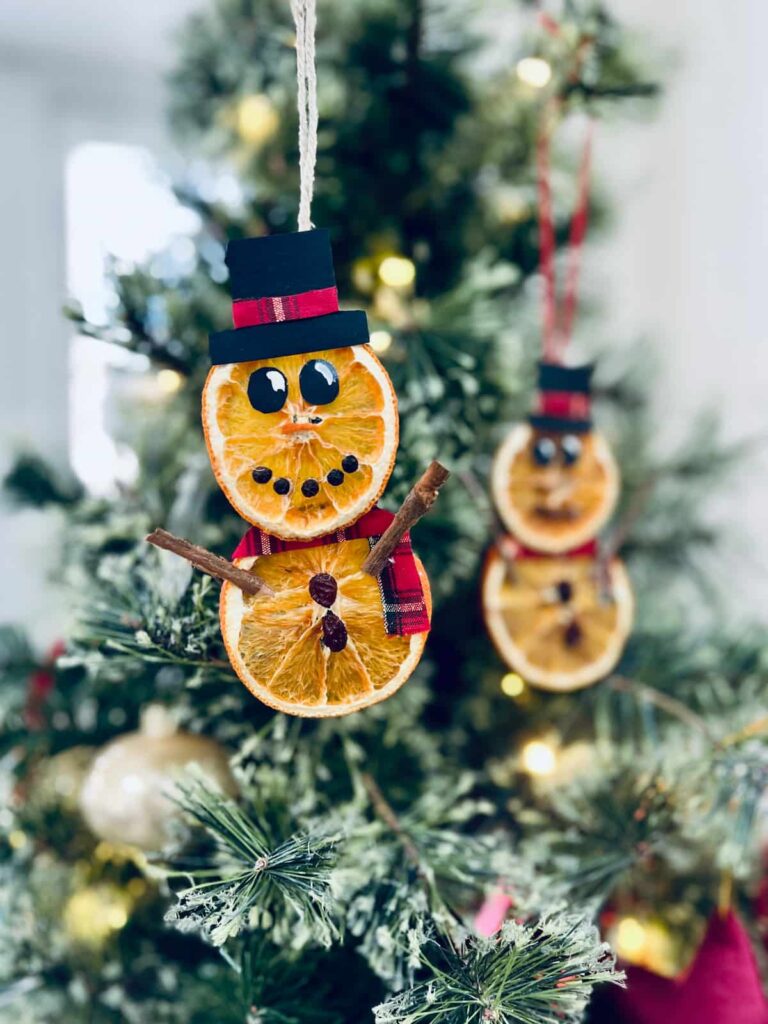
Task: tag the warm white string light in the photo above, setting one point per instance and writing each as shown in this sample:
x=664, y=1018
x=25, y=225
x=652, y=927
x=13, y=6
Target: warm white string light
x=305, y=19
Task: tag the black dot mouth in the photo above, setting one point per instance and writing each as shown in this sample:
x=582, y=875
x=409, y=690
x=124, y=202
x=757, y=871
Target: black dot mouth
x=262, y=474
x=573, y=634
x=310, y=487
x=563, y=514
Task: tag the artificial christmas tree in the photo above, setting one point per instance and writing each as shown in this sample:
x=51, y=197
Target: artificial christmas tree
x=345, y=872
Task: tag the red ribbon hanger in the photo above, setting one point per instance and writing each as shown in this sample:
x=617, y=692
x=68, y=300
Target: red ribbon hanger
x=558, y=318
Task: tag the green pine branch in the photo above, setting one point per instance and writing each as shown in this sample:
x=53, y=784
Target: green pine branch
x=258, y=880
x=538, y=972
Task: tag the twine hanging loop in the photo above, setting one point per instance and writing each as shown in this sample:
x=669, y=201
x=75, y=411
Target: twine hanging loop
x=305, y=19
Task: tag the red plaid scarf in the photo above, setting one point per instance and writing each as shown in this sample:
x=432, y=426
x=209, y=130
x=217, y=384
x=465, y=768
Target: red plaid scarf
x=510, y=548
x=402, y=596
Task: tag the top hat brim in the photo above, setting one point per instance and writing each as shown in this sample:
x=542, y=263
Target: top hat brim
x=560, y=425
x=290, y=337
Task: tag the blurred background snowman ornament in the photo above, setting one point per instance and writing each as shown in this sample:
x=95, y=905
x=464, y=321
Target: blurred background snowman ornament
x=558, y=611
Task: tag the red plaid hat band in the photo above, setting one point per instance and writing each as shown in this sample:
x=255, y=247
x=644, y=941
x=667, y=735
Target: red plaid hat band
x=567, y=405
x=275, y=309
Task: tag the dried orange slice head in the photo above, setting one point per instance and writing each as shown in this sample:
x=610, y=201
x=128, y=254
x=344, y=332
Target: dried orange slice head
x=554, y=491
x=554, y=621
x=318, y=648
x=302, y=445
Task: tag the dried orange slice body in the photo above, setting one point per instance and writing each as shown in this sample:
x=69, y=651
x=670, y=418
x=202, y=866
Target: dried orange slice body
x=552, y=620
x=302, y=445
x=318, y=648
x=557, y=504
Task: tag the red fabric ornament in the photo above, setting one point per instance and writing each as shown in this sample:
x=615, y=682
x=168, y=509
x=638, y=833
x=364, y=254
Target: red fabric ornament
x=722, y=986
x=39, y=687
x=760, y=907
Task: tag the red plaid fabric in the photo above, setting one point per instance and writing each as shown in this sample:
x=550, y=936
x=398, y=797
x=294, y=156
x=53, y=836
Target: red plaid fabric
x=513, y=550
x=402, y=595
x=274, y=309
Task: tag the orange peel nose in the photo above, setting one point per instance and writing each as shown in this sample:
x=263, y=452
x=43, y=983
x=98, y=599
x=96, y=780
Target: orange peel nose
x=297, y=428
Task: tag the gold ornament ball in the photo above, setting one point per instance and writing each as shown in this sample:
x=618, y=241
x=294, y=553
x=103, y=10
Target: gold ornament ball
x=57, y=782
x=128, y=794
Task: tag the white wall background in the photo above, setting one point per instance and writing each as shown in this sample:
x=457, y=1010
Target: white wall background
x=687, y=260
x=685, y=265
x=70, y=71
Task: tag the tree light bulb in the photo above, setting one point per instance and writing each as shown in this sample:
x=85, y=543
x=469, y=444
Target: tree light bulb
x=538, y=758
x=93, y=913
x=512, y=685
x=380, y=341
x=168, y=381
x=534, y=71
x=397, y=271
x=257, y=119
x=630, y=938
x=17, y=839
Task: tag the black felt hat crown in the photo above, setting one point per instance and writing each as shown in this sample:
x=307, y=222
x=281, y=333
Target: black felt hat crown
x=564, y=398
x=284, y=300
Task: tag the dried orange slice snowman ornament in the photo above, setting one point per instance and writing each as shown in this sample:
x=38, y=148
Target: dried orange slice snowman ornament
x=558, y=613
x=325, y=609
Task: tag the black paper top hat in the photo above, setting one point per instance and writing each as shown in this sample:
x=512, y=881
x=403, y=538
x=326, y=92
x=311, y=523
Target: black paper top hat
x=284, y=300
x=564, y=398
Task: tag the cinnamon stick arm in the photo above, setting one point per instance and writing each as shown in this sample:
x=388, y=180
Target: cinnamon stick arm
x=212, y=564
x=418, y=502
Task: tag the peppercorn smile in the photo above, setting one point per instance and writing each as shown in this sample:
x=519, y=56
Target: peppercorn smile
x=310, y=487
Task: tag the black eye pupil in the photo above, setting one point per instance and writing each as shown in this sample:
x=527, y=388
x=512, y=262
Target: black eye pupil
x=267, y=389
x=544, y=451
x=571, y=449
x=319, y=382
